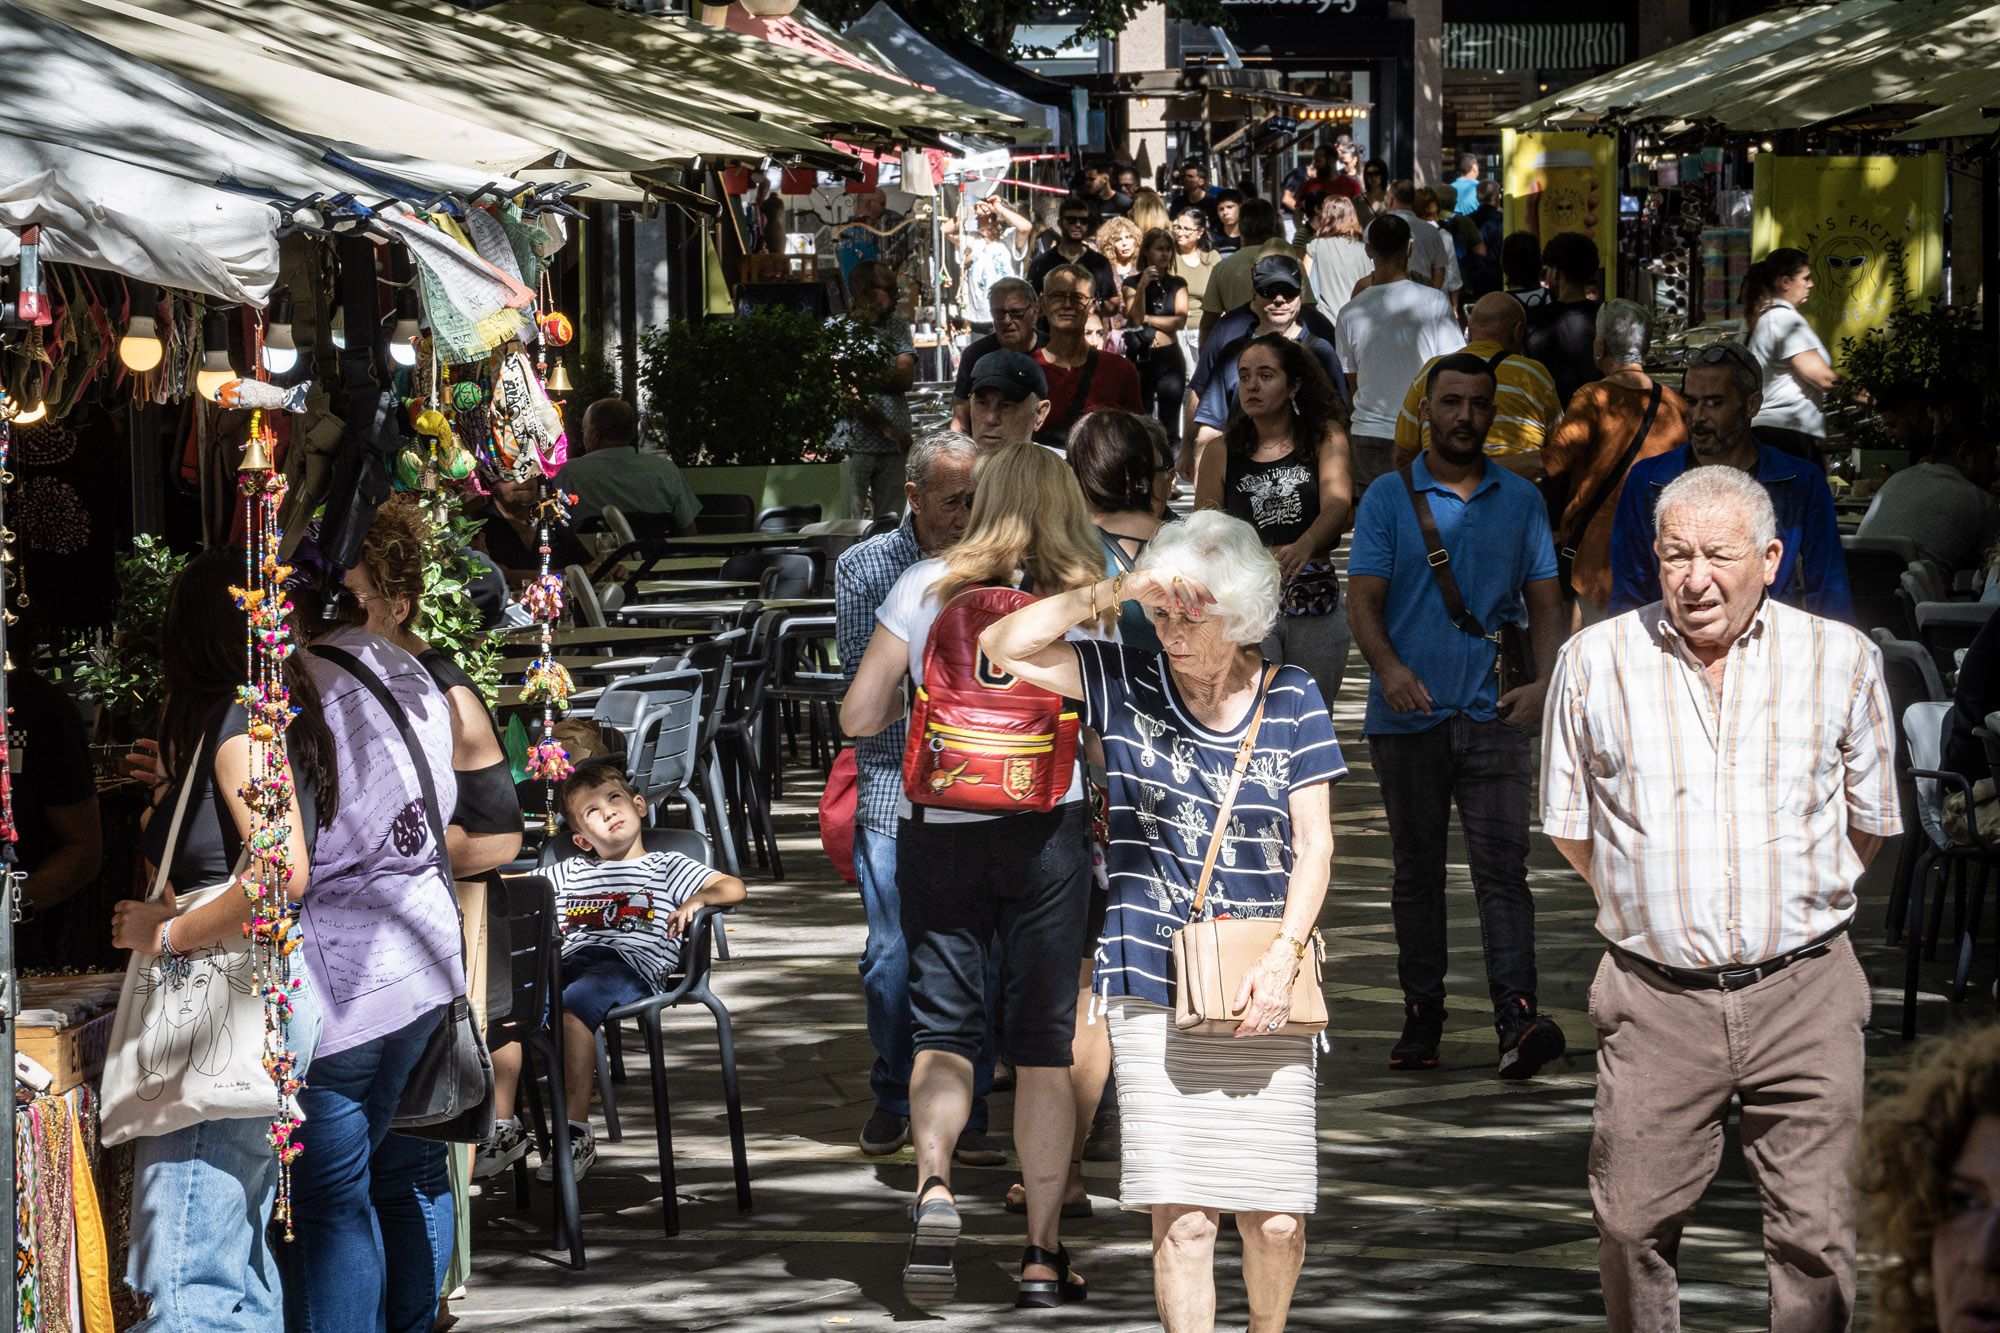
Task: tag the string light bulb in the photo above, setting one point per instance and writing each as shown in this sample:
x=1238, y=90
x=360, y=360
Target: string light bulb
x=403, y=337
x=215, y=368
x=281, y=353
x=141, y=349
x=32, y=415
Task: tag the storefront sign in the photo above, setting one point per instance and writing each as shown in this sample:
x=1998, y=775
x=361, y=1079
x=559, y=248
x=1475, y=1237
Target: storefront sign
x=1870, y=225
x=1564, y=181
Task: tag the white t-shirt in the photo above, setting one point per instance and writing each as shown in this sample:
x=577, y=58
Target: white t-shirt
x=1338, y=263
x=908, y=612
x=1384, y=336
x=1428, y=248
x=1789, y=402
x=985, y=263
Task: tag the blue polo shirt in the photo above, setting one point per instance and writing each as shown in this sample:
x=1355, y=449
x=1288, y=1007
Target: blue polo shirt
x=1498, y=542
x=1812, y=569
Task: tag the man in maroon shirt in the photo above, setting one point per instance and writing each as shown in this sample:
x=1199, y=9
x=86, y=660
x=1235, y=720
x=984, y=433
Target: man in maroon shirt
x=1080, y=380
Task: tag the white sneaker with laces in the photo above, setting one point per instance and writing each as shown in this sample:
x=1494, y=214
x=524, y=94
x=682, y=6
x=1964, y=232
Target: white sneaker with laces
x=507, y=1146
x=582, y=1154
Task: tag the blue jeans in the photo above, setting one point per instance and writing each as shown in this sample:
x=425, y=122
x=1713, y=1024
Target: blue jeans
x=374, y=1211
x=1486, y=767
x=201, y=1204
x=885, y=979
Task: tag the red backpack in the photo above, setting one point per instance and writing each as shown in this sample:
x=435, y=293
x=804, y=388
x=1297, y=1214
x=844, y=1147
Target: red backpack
x=981, y=740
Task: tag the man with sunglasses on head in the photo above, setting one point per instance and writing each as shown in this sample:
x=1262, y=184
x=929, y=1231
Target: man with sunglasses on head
x=1014, y=305
x=1722, y=387
x=1073, y=227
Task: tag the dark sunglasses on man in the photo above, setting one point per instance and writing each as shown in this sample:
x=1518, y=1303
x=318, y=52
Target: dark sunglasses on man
x=1276, y=291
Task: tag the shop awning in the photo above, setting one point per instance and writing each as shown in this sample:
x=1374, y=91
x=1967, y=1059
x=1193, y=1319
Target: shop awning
x=812, y=93
x=591, y=107
x=916, y=56
x=1883, y=66
x=1626, y=93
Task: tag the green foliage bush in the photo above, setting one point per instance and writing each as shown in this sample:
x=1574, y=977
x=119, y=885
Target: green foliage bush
x=1925, y=344
x=121, y=670
x=754, y=389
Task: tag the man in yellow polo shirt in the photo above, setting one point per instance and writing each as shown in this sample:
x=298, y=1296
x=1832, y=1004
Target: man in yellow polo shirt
x=1526, y=408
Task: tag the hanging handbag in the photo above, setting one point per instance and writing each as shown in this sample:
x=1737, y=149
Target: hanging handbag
x=1513, y=660
x=1212, y=957
x=449, y=1095
x=187, y=1044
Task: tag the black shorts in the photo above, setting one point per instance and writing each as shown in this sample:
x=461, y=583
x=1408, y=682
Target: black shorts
x=1024, y=879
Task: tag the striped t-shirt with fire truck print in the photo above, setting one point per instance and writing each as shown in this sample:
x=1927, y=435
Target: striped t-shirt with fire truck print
x=624, y=905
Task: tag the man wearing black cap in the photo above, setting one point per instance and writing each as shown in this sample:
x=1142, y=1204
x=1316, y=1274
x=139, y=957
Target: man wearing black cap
x=1009, y=400
x=1276, y=307
x=1079, y=378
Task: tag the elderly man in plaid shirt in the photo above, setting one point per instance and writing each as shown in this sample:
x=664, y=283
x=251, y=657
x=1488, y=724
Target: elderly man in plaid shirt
x=938, y=490
x=1719, y=766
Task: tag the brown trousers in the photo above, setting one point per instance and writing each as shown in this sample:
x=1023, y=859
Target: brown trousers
x=1669, y=1062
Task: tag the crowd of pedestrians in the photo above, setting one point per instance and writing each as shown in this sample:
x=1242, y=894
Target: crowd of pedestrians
x=1546, y=545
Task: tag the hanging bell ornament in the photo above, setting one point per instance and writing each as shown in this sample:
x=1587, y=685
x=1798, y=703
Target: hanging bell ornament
x=10, y=618
x=558, y=381
x=6, y=555
x=557, y=329
x=466, y=395
x=7, y=663
x=256, y=455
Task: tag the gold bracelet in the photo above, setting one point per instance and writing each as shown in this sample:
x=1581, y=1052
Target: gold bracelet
x=1298, y=946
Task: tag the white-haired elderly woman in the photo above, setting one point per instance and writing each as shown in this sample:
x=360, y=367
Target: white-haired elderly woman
x=1231, y=1128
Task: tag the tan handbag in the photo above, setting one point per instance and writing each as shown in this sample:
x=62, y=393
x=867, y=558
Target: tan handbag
x=1211, y=957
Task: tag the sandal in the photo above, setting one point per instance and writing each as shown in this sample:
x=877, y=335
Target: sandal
x=1042, y=1293
x=1072, y=1209
x=927, y=1275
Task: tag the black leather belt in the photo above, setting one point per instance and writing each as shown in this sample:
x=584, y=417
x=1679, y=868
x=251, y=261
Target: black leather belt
x=1734, y=978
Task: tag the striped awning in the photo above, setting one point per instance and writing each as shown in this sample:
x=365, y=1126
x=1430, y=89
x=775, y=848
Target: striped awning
x=1533, y=46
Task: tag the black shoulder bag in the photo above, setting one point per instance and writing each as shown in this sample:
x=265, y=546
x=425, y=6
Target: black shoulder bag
x=1055, y=434
x=1512, y=659
x=1566, y=543
x=449, y=1096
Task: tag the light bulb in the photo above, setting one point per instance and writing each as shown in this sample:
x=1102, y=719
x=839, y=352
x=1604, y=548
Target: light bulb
x=403, y=353
x=32, y=415
x=214, y=373
x=338, y=329
x=280, y=360
x=140, y=349
x=281, y=353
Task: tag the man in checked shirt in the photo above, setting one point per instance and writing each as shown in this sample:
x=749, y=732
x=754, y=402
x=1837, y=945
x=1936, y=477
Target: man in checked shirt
x=1718, y=766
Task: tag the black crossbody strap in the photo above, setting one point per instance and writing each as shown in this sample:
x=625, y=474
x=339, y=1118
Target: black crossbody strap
x=1493, y=362
x=1612, y=478
x=1440, y=559
x=1079, y=404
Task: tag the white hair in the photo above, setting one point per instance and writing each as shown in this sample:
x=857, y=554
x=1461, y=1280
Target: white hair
x=1223, y=553
x=933, y=449
x=1717, y=486
x=1624, y=329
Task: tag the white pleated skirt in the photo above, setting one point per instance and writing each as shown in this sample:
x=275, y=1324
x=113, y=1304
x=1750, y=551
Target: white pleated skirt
x=1210, y=1121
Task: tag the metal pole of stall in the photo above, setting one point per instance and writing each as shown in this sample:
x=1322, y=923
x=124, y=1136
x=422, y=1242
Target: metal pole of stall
x=938, y=322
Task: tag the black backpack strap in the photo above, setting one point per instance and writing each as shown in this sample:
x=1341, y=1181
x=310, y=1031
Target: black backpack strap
x=1440, y=559
x=1493, y=362
x=1056, y=433
x=1584, y=515
x=349, y=663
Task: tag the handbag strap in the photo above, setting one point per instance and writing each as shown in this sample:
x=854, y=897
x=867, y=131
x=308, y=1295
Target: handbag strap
x=1440, y=559
x=162, y=871
x=1244, y=749
x=1078, y=404
x=1584, y=515
x=349, y=663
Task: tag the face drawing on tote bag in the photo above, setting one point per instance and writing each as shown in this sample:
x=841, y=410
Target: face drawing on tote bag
x=188, y=1016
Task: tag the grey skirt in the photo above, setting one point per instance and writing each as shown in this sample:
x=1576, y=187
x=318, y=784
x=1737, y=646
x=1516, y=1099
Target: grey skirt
x=1209, y=1121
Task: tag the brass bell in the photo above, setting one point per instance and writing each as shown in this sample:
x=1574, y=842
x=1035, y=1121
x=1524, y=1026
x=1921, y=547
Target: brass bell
x=6, y=555
x=256, y=458
x=10, y=618
x=559, y=379
x=7, y=663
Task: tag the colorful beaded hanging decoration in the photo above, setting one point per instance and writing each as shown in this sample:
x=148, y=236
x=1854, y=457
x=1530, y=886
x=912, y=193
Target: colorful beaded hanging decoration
x=10, y=879
x=273, y=930
x=547, y=681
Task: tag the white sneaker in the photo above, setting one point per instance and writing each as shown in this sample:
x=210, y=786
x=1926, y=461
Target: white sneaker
x=582, y=1154
x=507, y=1146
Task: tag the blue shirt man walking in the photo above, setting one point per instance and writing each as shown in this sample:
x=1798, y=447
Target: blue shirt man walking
x=1439, y=728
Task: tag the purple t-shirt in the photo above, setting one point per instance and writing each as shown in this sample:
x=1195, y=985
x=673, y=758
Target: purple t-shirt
x=382, y=940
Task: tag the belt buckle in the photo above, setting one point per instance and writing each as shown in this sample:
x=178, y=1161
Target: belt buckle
x=1737, y=978
x=1438, y=558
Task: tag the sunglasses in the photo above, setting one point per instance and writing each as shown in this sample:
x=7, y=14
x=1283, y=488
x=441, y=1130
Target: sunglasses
x=1280, y=293
x=1076, y=219
x=1716, y=354
x=1011, y=313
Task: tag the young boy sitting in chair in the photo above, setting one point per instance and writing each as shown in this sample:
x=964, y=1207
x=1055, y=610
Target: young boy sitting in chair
x=623, y=911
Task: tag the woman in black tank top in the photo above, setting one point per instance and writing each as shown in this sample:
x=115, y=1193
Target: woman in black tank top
x=1282, y=466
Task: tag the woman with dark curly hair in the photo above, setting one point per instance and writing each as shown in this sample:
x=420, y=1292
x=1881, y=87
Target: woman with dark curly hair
x=1929, y=1185
x=1285, y=469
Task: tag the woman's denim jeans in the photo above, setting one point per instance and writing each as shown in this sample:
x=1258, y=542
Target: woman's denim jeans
x=201, y=1208
x=373, y=1209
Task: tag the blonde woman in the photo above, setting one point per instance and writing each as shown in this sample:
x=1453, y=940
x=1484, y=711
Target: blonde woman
x=1337, y=258
x=967, y=879
x=1118, y=242
x=1148, y=211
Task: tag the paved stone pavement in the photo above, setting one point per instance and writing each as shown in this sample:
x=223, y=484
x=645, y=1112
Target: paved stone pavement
x=1447, y=1201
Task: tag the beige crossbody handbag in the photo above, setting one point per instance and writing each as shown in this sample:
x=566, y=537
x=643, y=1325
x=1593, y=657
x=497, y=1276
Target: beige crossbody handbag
x=1211, y=957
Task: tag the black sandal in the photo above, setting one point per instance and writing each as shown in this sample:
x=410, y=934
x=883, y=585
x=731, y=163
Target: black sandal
x=928, y=1278
x=1043, y=1294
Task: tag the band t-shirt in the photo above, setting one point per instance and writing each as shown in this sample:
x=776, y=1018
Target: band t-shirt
x=1168, y=775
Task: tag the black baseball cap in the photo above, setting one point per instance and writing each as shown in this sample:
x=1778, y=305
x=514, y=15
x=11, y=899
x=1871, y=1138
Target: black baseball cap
x=1275, y=271
x=1014, y=374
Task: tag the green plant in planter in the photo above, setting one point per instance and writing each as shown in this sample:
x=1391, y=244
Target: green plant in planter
x=756, y=389
x=446, y=617
x=121, y=669
x=1923, y=344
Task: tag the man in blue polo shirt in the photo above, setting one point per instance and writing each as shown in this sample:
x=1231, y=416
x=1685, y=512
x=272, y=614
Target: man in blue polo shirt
x=1438, y=727
x=1721, y=387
